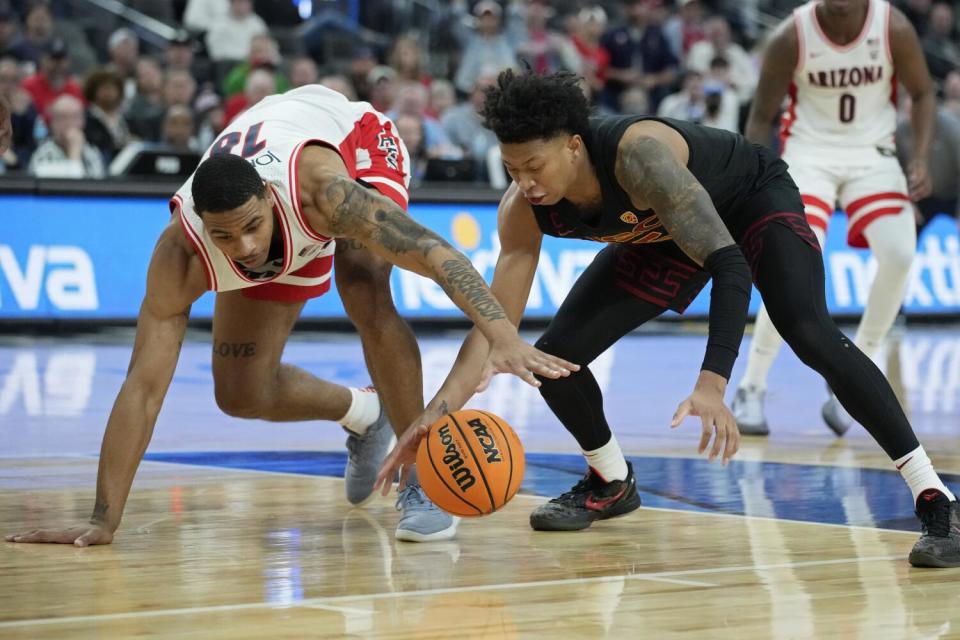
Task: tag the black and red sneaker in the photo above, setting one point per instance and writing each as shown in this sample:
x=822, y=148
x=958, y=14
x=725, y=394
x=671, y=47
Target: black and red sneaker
x=939, y=546
x=590, y=499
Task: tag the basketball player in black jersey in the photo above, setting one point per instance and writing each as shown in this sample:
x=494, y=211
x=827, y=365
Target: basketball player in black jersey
x=676, y=203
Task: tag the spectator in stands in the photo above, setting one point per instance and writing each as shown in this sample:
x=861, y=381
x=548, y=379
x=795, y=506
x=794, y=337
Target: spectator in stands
x=406, y=58
x=382, y=81
x=951, y=93
x=340, y=84
x=464, y=125
x=263, y=54
x=200, y=15
x=23, y=115
x=179, y=87
x=588, y=27
x=685, y=29
x=145, y=112
x=743, y=72
x=639, y=56
x=412, y=100
x=487, y=47
x=178, y=130
x=544, y=49
x=66, y=154
x=635, y=101
x=124, y=51
x=442, y=97
x=410, y=129
x=210, y=117
x=939, y=42
x=708, y=103
x=180, y=55
x=53, y=78
x=260, y=84
x=10, y=36
x=917, y=12
x=40, y=30
x=361, y=64
x=303, y=71
x=106, y=129
x=230, y=37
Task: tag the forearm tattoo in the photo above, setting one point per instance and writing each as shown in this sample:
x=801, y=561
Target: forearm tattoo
x=650, y=172
x=460, y=275
x=356, y=212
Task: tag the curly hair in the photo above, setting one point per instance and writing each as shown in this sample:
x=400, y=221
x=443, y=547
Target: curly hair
x=525, y=106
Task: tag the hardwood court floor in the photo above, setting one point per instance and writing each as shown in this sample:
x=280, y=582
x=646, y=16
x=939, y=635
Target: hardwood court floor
x=240, y=529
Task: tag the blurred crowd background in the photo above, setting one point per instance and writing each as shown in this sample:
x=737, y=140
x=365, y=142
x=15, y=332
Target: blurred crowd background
x=96, y=84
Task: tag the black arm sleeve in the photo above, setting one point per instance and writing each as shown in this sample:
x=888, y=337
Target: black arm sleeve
x=729, y=302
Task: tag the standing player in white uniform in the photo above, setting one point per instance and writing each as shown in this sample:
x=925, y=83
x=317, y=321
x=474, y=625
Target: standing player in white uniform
x=839, y=62
x=258, y=222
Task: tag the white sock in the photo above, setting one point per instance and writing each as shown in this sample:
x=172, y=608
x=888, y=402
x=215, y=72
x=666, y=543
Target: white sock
x=608, y=461
x=893, y=241
x=363, y=412
x=917, y=470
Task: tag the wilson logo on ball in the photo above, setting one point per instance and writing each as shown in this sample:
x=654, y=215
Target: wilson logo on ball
x=454, y=460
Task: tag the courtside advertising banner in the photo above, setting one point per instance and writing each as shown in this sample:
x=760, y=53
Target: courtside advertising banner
x=86, y=257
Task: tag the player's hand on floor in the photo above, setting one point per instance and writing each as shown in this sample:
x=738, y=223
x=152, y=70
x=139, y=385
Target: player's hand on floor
x=401, y=459
x=84, y=535
x=717, y=421
x=524, y=361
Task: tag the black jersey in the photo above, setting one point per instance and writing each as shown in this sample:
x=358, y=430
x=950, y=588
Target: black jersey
x=729, y=167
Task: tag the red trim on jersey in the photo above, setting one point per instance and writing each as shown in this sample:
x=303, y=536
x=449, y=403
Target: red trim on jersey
x=893, y=88
x=788, y=118
x=886, y=29
x=855, y=237
x=860, y=203
x=293, y=180
x=801, y=45
x=176, y=206
x=287, y=244
x=369, y=130
x=284, y=292
x=844, y=47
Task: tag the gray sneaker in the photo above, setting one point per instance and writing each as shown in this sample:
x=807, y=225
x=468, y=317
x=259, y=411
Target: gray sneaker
x=939, y=546
x=836, y=416
x=421, y=520
x=747, y=410
x=365, y=454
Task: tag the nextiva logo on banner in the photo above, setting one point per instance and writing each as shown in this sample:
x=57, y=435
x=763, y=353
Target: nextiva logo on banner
x=63, y=257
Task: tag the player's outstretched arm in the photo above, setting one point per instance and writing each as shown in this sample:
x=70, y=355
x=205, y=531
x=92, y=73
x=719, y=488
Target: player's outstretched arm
x=649, y=168
x=160, y=330
x=520, y=241
x=357, y=212
x=776, y=73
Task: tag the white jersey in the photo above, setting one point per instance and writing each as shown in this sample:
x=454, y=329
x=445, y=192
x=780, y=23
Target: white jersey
x=842, y=96
x=271, y=136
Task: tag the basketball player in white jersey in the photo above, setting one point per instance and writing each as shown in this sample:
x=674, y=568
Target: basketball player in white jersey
x=259, y=222
x=839, y=62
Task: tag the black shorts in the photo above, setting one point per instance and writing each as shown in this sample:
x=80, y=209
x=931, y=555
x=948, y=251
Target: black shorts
x=660, y=273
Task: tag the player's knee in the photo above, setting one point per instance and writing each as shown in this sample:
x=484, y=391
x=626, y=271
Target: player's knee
x=237, y=403
x=898, y=258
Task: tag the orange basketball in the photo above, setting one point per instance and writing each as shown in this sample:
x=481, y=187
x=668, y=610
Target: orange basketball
x=470, y=463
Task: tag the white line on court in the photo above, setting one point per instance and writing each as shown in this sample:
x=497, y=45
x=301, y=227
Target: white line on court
x=332, y=602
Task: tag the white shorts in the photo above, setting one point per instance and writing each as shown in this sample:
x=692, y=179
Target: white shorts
x=864, y=183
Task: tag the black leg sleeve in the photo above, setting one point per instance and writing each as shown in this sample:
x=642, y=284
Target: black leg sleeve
x=790, y=277
x=594, y=315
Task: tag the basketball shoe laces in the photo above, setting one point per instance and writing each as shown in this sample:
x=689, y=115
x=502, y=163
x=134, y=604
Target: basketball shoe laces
x=412, y=497
x=574, y=496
